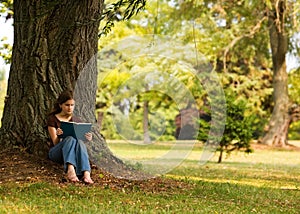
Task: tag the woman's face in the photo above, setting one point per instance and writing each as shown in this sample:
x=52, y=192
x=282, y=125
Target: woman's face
x=67, y=107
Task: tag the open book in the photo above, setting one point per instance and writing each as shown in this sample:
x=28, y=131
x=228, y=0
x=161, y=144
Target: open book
x=77, y=130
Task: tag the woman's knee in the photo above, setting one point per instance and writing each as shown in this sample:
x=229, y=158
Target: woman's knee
x=69, y=140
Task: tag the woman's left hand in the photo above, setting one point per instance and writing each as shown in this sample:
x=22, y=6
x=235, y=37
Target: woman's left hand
x=89, y=136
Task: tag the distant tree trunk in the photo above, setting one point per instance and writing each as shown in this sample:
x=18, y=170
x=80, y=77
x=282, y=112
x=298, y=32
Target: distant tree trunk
x=100, y=119
x=220, y=155
x=53, y=43
x=294, y=113
x=277, y=129
x=147, y=139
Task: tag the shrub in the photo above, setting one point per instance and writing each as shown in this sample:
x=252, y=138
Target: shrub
x=238, y=130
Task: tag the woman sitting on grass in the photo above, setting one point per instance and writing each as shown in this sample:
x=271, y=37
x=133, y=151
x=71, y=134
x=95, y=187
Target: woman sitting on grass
x=69, y=151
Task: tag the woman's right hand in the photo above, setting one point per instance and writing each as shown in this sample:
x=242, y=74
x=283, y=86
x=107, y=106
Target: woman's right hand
x=59, y=131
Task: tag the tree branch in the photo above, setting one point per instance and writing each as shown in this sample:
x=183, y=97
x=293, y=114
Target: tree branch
x=253, y=31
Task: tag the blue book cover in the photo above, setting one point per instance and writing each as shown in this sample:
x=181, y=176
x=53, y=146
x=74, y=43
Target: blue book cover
x=77, y=130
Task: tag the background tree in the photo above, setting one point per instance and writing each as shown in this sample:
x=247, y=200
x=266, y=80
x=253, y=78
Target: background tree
x=233, y=37
x=278, y=22
x=268, y=26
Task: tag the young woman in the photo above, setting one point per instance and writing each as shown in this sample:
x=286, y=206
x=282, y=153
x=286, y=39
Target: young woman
x=68, y=151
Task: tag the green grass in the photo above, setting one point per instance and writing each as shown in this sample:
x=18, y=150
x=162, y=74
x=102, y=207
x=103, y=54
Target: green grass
x=206, y=197
x=266, y=181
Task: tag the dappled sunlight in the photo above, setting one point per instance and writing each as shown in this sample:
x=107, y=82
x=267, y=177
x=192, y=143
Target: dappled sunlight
x=257, y=182
x=275, y=157
x=273, y=168
x=278, y=169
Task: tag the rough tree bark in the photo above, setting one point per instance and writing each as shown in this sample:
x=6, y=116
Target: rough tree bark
x=53, y=42
x=277, y=129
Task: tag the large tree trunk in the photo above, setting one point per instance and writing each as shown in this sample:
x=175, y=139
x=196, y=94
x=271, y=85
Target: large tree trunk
x=280, y=120
x=54, y=41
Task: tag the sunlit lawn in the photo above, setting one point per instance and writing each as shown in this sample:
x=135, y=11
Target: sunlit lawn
x=266, y=181
x=273, y=168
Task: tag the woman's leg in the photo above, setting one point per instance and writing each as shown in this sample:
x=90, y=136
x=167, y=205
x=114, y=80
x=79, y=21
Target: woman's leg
x=83, y=163
x=69, y=152
x=82, y=156
x=64, y=153
x=73, y=154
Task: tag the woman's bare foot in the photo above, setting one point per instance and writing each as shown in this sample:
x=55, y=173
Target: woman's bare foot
x=71, y=174
x=87, y=178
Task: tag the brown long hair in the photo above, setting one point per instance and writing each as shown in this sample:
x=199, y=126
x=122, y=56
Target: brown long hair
x=62, y=98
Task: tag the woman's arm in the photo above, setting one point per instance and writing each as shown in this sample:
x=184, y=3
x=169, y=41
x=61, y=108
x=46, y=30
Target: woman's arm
x=53, y=134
